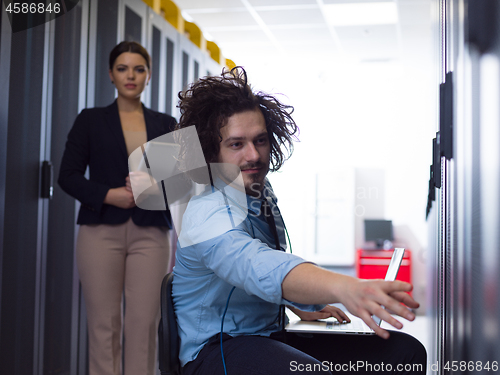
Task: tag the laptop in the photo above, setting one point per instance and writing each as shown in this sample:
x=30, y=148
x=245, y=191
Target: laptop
x=356, y=326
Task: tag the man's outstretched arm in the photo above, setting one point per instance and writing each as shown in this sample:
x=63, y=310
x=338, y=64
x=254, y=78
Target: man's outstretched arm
x=310, y=284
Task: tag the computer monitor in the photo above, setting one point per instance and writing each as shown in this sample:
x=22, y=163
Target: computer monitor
x=378, y=231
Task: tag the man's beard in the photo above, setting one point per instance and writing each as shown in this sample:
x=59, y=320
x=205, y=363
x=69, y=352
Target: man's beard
x=258, y=164
x=254, y=182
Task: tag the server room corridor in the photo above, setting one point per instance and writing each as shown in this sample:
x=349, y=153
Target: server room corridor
x=397, y=105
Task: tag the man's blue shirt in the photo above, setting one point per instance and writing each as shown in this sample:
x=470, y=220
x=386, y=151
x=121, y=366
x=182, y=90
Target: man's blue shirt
x=225, y=241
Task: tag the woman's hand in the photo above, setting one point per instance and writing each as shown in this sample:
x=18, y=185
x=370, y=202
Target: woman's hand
x=148, y=194
x=140, y=182
x=327, y=312
x=120, y=197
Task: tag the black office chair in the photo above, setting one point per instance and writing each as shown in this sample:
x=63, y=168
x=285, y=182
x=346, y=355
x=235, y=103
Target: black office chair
x=168, y=337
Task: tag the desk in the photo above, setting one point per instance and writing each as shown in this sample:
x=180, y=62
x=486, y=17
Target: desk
x=372, y=264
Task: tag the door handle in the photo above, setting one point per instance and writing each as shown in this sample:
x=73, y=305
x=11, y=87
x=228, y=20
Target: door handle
x=47, y=180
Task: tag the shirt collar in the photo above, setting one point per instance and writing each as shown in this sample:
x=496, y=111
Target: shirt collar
x=254, y=204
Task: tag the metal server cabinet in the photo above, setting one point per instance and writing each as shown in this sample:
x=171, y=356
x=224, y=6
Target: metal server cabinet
x=464, y=219
x=49, y=73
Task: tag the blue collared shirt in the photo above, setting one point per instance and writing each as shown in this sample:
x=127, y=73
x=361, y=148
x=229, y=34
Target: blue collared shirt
x=224, y=243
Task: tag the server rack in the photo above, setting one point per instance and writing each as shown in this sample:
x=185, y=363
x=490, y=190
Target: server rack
x=464, y=217
x=49, y=73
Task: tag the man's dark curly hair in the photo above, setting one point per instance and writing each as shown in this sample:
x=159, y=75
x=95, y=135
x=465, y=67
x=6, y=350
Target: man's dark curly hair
x=209, y=102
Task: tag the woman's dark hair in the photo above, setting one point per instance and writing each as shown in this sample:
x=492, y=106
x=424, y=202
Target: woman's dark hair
x=133, y=47
x=209, y=102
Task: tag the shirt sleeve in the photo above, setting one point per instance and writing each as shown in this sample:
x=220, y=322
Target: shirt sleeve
x=241, y=260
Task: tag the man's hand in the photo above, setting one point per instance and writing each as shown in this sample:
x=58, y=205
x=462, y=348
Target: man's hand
x=310, y=284
x=327, y=312
x=365, y=298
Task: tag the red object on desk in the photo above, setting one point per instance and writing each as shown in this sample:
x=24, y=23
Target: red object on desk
x=373, y=264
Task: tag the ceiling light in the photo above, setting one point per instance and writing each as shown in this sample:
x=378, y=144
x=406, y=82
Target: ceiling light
x=382, y=13
x=208, y=36
x=186, y=16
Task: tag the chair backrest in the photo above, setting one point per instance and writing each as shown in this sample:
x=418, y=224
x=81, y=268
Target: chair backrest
x=168, y=337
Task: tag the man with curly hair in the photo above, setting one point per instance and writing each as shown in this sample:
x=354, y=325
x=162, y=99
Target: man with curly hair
x=232, y=271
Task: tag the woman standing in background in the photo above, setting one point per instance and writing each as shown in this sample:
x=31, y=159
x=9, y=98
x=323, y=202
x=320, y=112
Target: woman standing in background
x=122, y=250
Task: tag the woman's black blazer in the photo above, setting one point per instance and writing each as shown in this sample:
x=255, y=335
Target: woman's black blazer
x=96, y=140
